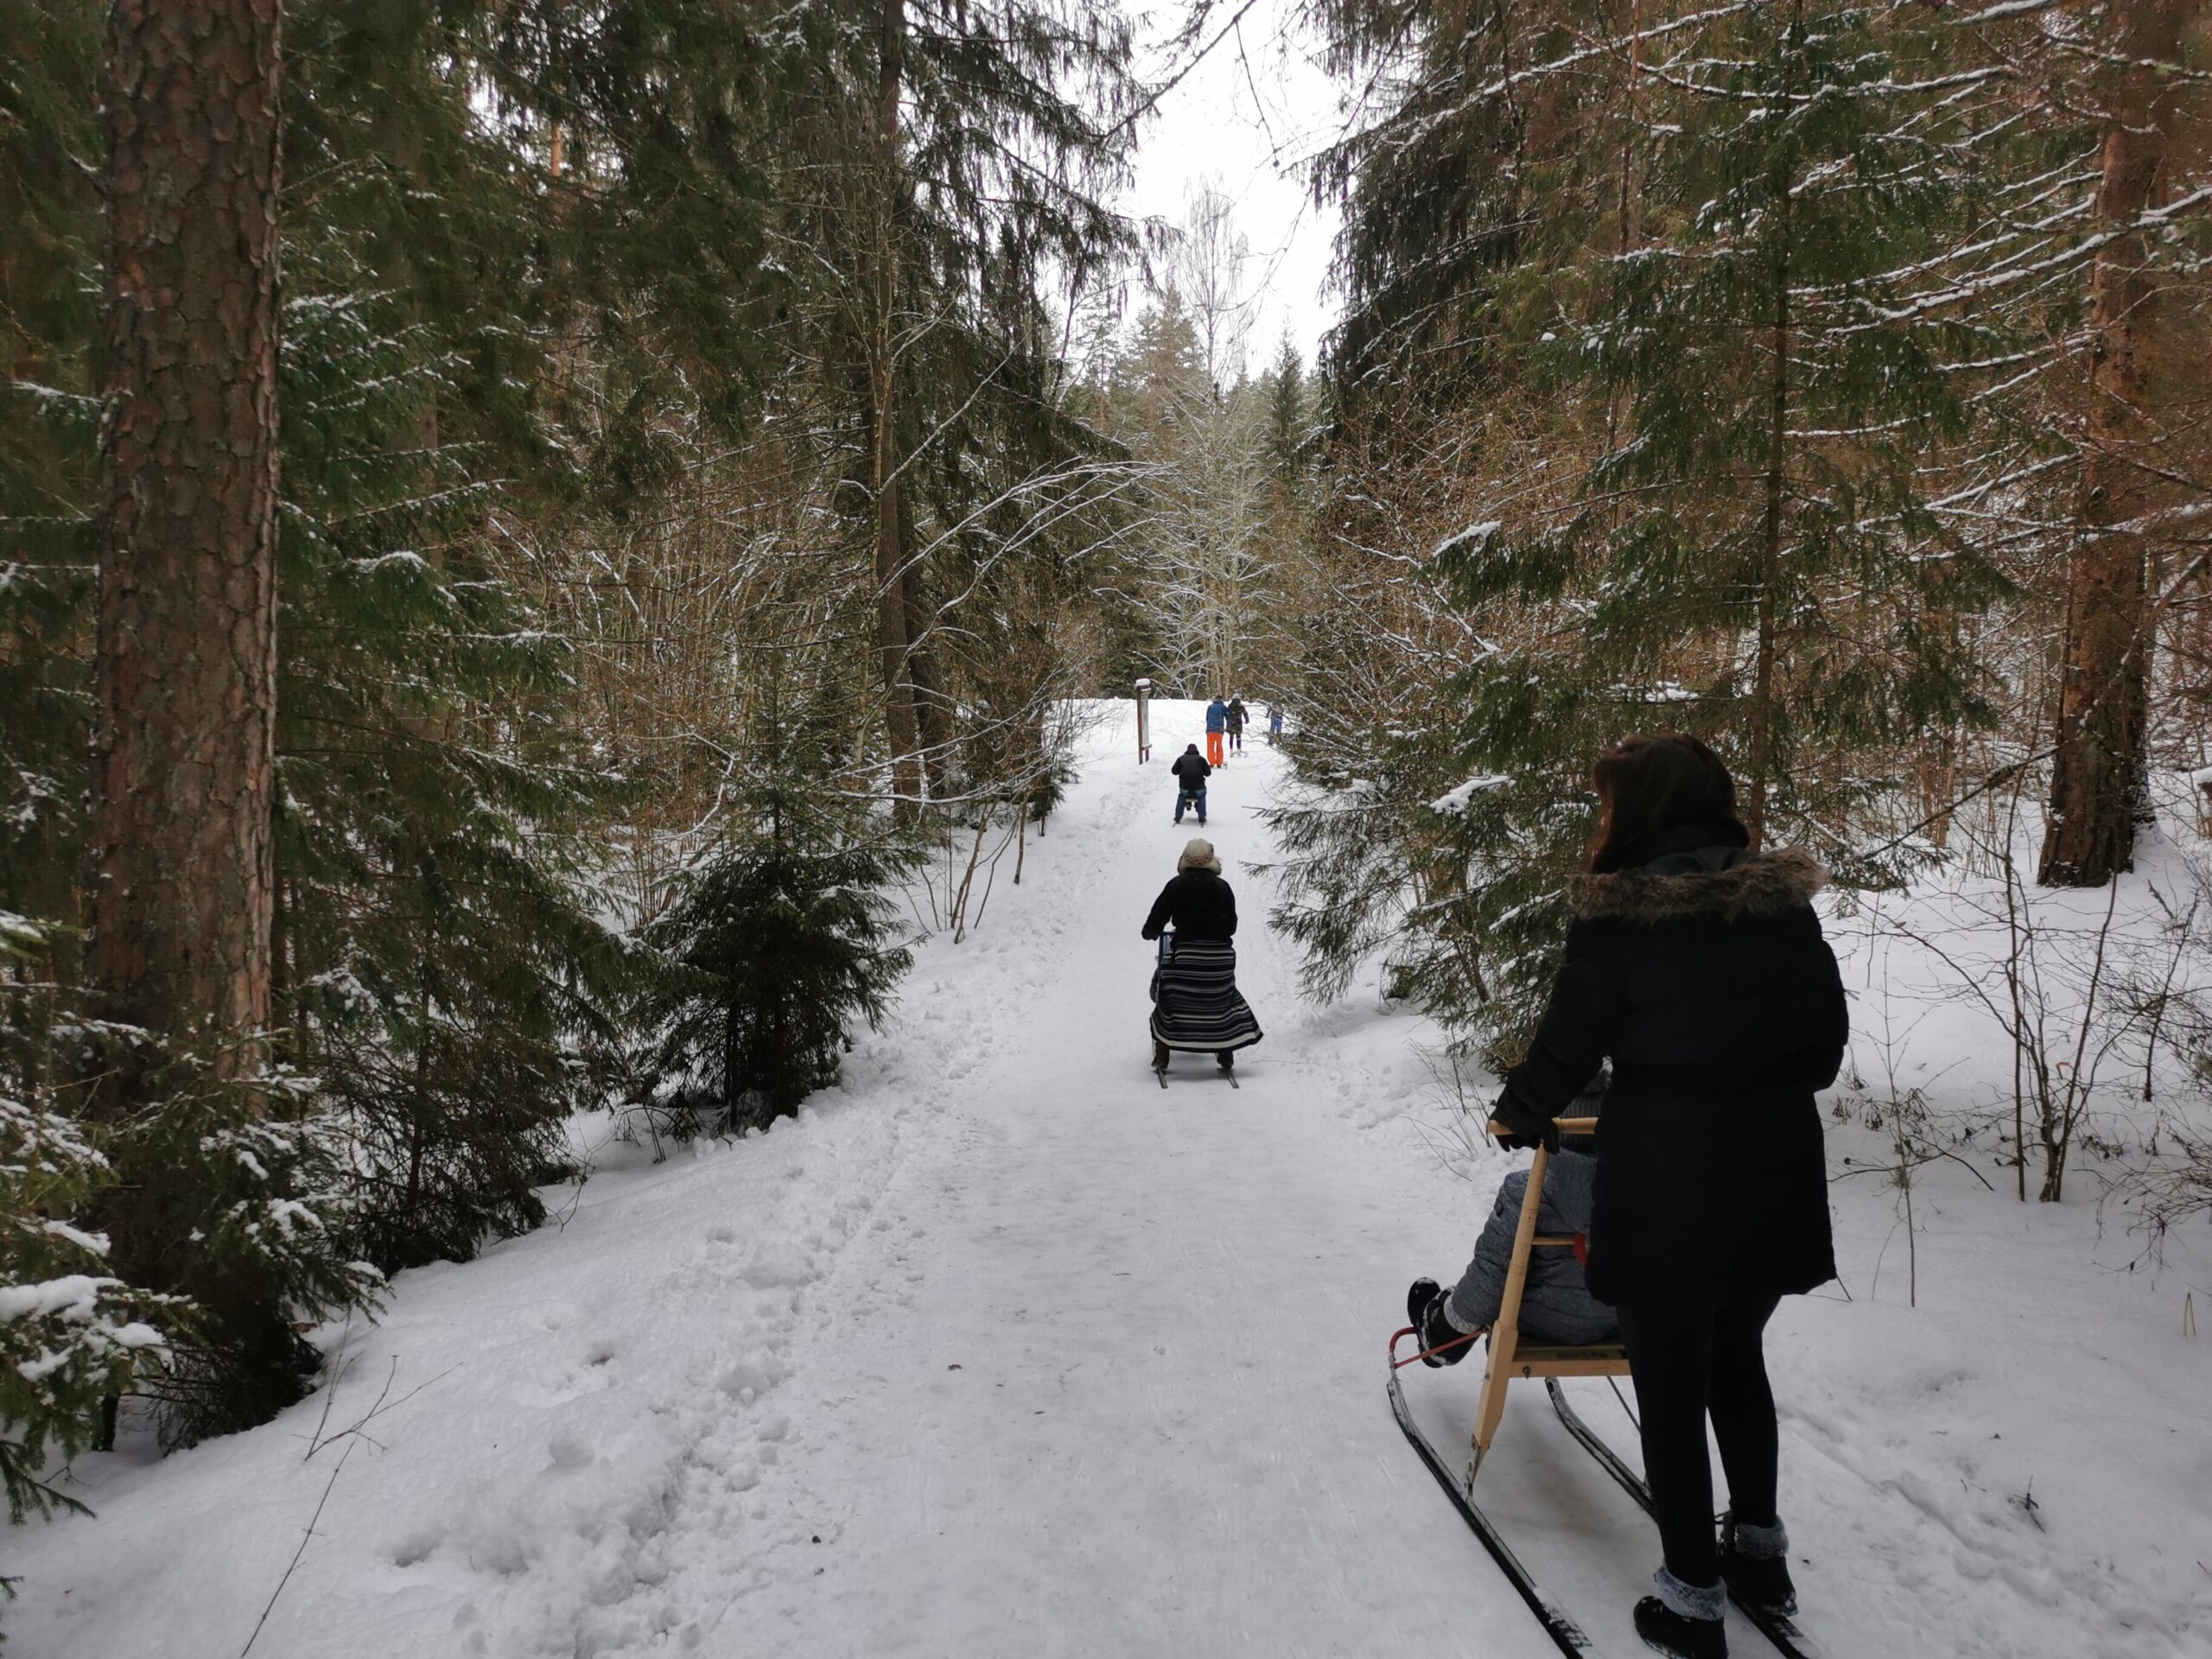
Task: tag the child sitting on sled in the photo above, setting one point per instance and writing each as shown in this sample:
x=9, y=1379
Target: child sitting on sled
x=1555, y=1306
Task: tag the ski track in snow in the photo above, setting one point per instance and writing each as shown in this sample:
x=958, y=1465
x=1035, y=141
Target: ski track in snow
x=1001, y=1350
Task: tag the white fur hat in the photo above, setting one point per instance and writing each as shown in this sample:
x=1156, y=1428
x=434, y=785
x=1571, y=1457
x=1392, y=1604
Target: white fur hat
x=1199, y=856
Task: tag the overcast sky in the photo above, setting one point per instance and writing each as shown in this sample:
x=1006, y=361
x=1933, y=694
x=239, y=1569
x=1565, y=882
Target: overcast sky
x=1248, y=119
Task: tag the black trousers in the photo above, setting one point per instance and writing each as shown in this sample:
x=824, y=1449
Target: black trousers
x=1689, y=1361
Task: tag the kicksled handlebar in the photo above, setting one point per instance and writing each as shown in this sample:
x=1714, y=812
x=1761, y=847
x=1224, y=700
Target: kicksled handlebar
x=1565, y=1125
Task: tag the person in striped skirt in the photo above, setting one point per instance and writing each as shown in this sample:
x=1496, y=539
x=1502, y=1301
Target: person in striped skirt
x=1195, y=1007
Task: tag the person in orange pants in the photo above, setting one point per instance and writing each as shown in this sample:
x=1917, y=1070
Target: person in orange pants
x=1216, y=729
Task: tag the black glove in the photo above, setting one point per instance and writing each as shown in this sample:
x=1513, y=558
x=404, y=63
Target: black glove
x=1524, y=1125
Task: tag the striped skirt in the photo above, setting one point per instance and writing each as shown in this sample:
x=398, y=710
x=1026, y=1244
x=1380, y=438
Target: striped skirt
x=1195, y=1004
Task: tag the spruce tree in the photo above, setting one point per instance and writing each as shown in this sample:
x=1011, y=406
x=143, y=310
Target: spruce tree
x=1677, y=309
x=945, y=157
x=442, y=970
x=49, y=459
x=777, y=937
x=405, y=668
x=1753, y=558
x=1756, y=557
x=1288, y=424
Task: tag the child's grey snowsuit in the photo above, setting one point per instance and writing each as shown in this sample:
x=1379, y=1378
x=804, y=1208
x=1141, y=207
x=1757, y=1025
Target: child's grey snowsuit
x=1555, y=1306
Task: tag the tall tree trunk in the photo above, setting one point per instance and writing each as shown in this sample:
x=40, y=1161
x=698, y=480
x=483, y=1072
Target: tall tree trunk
x=2096, y=771
x=1760, y=739
x=186, y=671
x=891, y=582
x=933, y=717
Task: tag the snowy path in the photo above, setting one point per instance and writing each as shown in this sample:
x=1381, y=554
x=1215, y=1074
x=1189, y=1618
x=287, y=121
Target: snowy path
x=1116, y=1385
x=1003, y=1350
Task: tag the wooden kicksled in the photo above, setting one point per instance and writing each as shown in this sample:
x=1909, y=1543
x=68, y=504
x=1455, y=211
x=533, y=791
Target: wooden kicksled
x=1510, y=1358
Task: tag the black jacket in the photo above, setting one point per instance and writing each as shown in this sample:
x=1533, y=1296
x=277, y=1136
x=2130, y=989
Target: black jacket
x=1191, y=770
x=1199, y=903
x=1236, y=716
x=1703, y=976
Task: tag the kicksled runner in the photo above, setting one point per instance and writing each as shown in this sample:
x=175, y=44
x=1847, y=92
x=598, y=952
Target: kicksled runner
x=1511, y=1359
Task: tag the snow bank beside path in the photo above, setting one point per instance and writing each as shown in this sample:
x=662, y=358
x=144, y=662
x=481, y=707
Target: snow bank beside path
x=527, y=1427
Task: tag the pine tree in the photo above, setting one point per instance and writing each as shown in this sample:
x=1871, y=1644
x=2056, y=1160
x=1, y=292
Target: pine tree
x=185, y=755
x=2151, y=117
x=217, y=1195
x=405, y=668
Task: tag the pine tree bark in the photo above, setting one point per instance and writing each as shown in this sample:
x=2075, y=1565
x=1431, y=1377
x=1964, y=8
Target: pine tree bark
x=893, y=644
x=186, y=660
x=2096, y=770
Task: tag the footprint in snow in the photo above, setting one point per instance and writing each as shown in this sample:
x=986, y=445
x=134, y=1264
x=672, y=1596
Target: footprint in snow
x=569, y=1452
x=417, y=1546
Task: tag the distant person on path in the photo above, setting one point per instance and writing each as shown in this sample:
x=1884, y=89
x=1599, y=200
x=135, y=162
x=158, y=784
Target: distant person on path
x=1196, y=1008
x=1697, y=967
x=1216, y=728
x=1236, y=718
x=1556, y=1304
x=1274, y=724
x=1191, y=771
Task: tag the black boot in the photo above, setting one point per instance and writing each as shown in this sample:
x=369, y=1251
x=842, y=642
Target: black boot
x=1665, y=1630
x=1425, y=1300
x=1421, y=1296
x=1225, y=1058
x=1761, y=1580
x=1159, y=1055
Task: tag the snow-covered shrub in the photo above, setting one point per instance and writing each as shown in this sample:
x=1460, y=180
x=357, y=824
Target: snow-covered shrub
x=72, y=1335
x=232, y=1195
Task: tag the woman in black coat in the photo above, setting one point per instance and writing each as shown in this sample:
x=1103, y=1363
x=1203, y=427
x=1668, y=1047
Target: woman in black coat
x=1196, y=1005
x=1697, y=967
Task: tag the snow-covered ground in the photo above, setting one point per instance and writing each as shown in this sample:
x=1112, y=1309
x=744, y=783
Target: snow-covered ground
x=1001, y=1350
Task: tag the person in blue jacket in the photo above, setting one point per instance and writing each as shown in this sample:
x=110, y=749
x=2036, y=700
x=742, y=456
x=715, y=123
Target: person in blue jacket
x=1217, y=731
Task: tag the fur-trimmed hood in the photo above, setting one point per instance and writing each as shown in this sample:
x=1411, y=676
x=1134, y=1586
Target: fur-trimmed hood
x=1760, y=884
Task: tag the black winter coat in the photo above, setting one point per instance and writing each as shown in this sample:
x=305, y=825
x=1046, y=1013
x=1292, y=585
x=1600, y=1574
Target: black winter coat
x=1191, y=770
x=1704, y=978
x=1199, y=903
